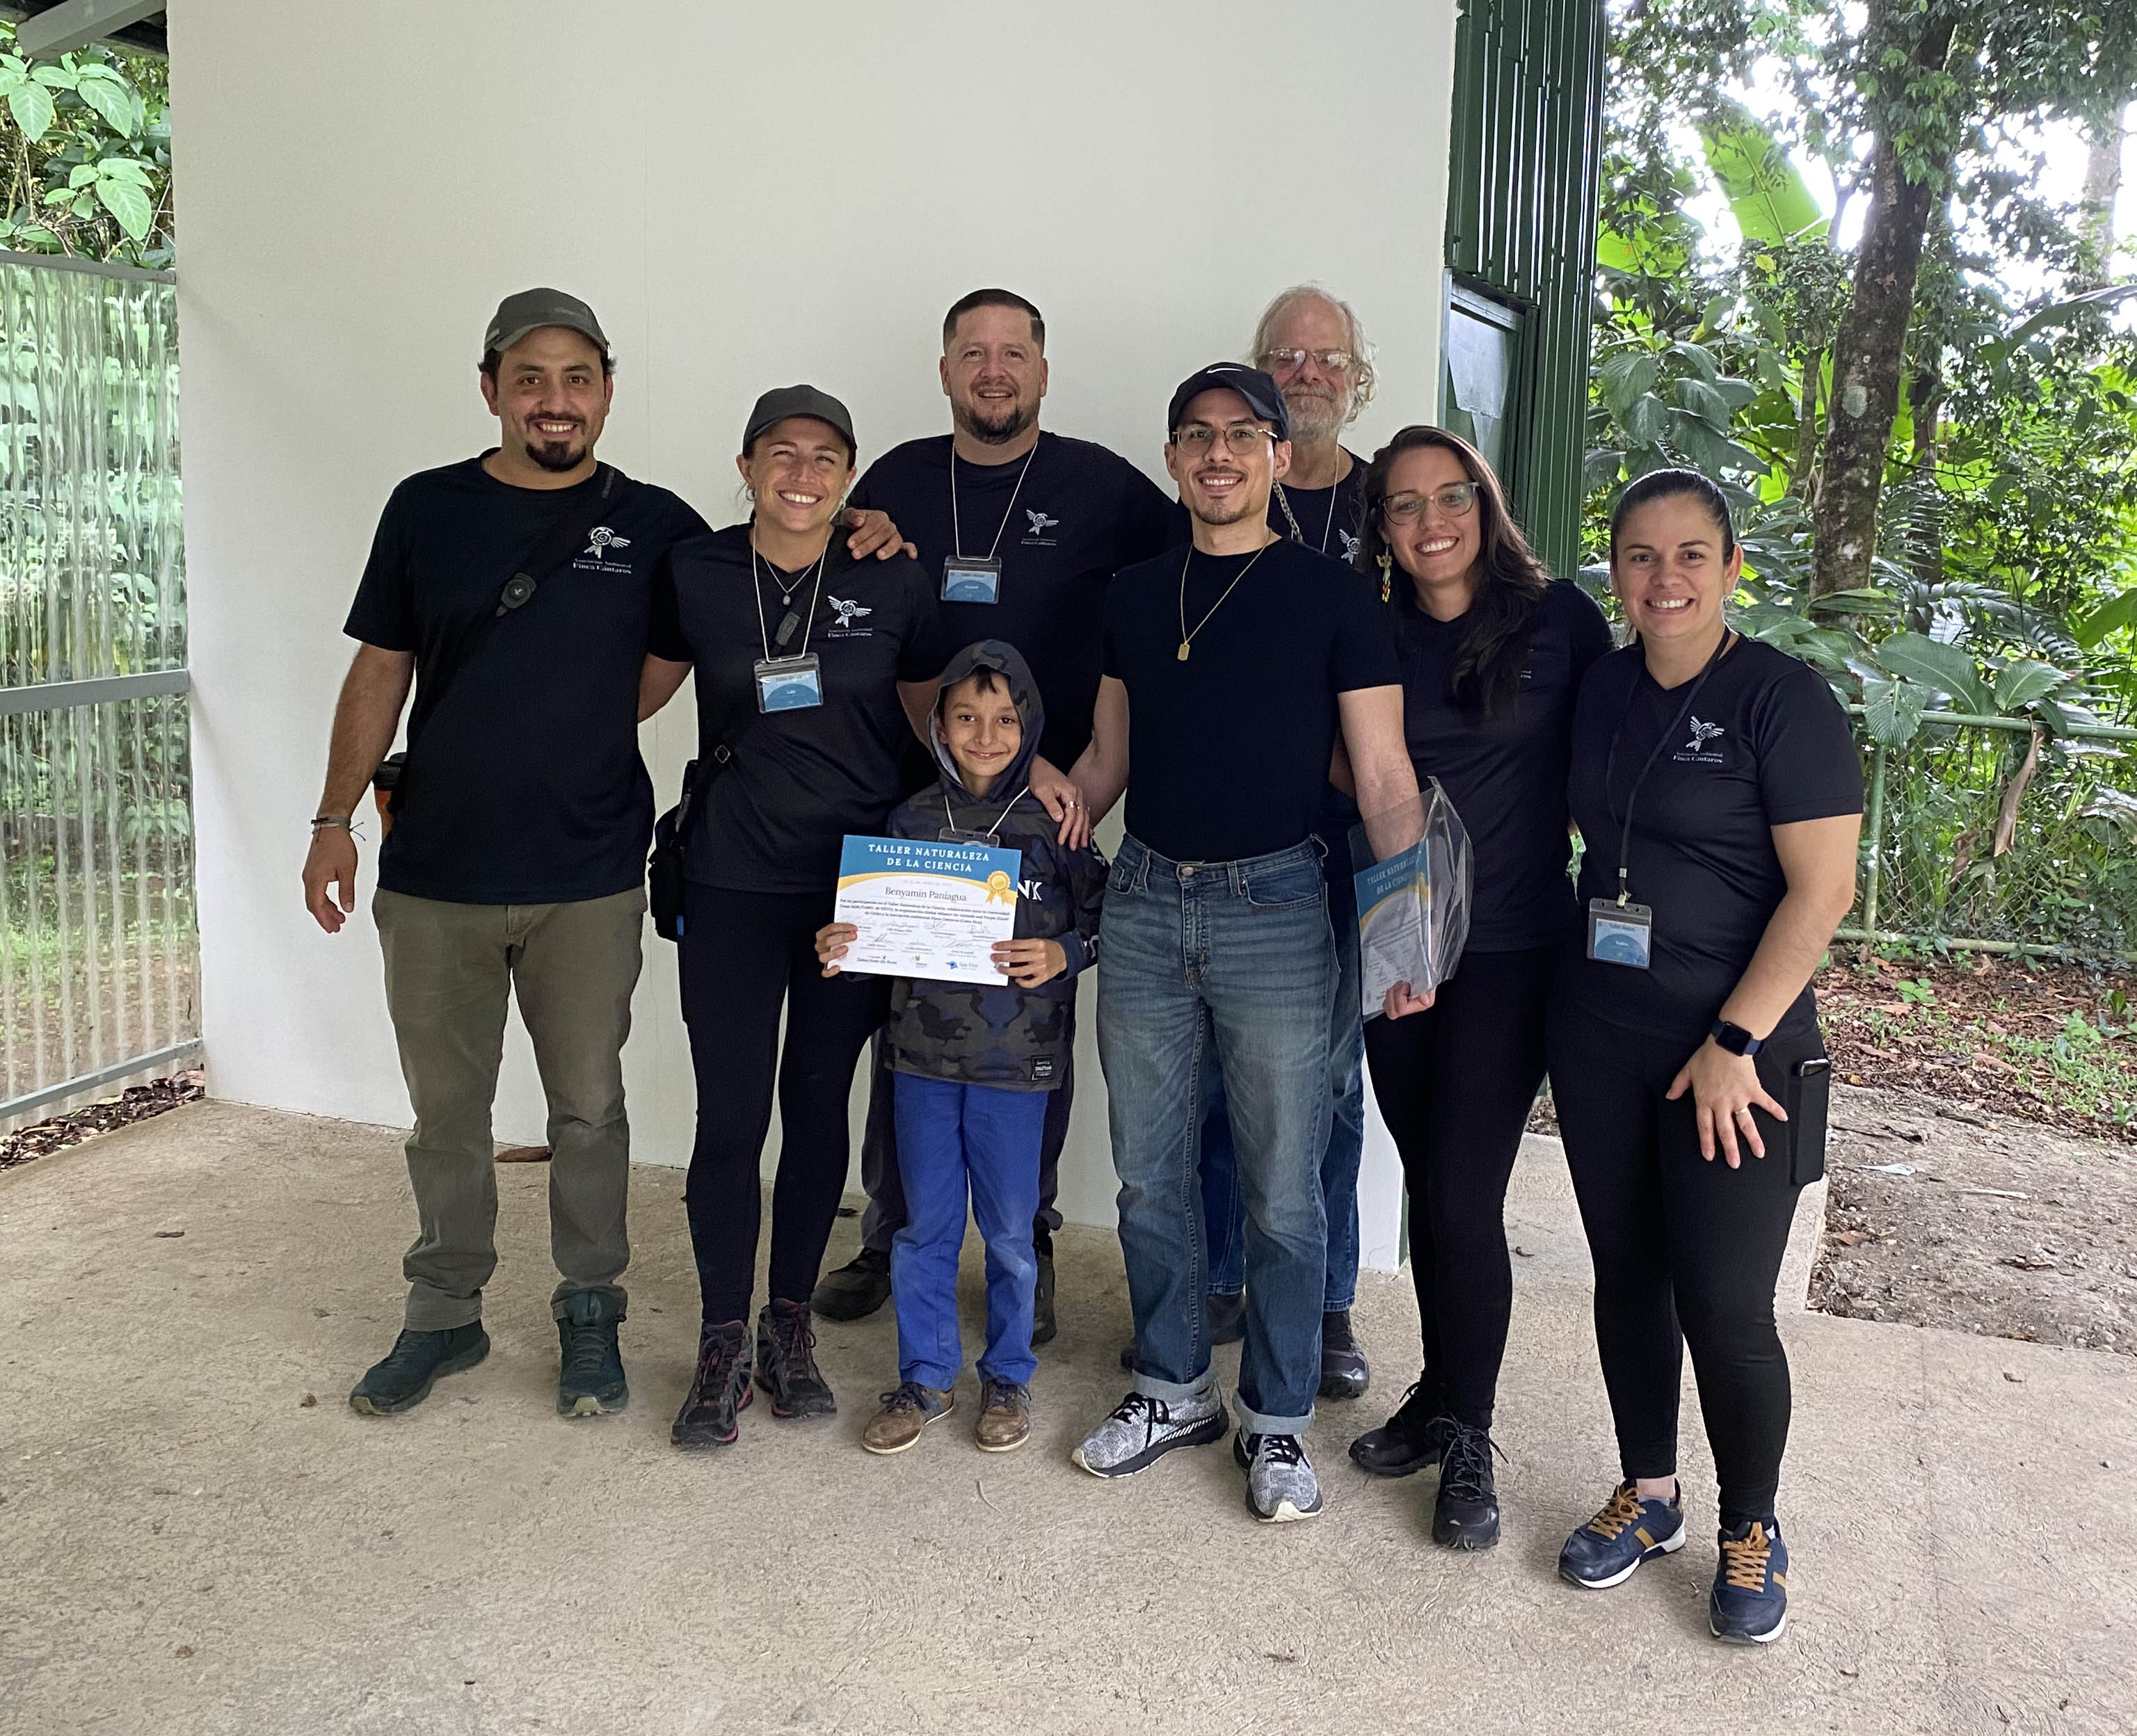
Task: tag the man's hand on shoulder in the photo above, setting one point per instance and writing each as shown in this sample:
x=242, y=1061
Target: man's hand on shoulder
x=874, y=534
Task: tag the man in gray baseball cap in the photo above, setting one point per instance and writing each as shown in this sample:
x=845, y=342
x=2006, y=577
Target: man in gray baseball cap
x=531, y=309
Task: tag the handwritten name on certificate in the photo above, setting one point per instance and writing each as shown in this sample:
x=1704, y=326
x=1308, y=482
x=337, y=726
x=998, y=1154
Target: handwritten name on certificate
x=926, y=909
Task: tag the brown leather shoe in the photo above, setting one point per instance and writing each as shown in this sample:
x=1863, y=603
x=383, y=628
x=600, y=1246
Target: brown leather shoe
x=1004, y=1421
x=904, y=1414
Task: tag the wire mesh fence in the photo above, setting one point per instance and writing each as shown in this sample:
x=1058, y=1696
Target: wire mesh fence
x=1986, y=834
x=97, y=952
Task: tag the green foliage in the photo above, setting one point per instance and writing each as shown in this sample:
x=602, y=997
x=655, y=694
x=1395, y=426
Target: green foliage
x=85, y=155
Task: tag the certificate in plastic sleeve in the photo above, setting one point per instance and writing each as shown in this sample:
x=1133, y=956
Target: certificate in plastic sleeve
x=927, y=908
x=1413, y=900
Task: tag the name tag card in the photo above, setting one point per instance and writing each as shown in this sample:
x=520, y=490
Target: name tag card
x=1620, y=934
x=970, y=579
x=789, y=683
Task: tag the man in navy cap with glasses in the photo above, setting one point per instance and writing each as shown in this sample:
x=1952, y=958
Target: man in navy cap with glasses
x=1242, y=659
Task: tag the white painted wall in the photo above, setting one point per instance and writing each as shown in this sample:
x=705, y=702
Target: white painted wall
x=748, y=195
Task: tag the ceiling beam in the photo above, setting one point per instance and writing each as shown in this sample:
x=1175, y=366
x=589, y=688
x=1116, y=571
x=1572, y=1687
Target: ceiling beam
x=74, y=23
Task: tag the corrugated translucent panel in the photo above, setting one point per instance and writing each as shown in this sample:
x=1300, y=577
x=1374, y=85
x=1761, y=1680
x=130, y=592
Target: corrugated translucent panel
x=1520, y=225
x=98, y=957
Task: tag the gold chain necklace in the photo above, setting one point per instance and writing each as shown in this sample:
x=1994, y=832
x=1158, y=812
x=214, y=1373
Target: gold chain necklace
x=1187, y=639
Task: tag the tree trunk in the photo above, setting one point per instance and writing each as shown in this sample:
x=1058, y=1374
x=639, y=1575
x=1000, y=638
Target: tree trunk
x=1870, y=350
x=2095, y=202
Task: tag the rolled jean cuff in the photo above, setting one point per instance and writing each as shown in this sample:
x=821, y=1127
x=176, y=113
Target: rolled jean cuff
x=929, y=1375
x=1173, y=1391
x=1331, y=1305
x=1256, y=1422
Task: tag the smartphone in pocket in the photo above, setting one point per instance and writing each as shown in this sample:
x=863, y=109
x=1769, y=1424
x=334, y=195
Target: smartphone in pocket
x=1805, y=1093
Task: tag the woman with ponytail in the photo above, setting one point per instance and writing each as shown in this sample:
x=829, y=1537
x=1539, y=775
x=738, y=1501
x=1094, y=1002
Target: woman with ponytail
x=1492, y=651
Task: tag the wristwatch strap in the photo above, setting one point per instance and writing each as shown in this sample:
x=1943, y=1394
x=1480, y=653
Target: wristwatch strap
x=1735, y=1038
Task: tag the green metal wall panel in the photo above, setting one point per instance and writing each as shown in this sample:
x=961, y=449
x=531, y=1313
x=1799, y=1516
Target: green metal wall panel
x=1520, y=228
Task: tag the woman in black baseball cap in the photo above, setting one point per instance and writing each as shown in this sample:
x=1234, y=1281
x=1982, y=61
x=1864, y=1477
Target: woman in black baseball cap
x=811, y=668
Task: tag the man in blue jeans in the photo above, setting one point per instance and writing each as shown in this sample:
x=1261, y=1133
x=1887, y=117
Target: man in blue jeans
x=1241, y=657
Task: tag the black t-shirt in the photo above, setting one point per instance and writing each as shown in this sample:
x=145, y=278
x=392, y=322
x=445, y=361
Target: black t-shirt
x=1328, y=519
x=1765, y=744
x=800, y=780
x=1228, y=751
x=1504, y=772
x=522, y=784
x=1080, y=514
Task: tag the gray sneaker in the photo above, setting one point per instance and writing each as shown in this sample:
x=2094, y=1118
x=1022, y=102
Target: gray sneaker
x=1142, y=1430
x=1281, y=1485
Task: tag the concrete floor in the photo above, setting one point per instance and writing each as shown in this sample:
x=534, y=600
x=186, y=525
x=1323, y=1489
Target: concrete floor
x=189, y=1543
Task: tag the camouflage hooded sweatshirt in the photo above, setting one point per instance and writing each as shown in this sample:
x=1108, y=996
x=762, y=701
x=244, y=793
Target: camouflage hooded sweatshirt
x=978, y=1033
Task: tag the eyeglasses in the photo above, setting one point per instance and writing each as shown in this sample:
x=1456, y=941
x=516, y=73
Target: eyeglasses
x=1329, y=362
x=1197, y=438
x=1454, y=500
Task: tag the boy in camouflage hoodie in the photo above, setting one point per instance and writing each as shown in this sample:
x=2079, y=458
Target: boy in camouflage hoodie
x=974, y=1062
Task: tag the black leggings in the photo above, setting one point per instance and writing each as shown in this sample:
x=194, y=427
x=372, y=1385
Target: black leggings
x=743, y=955
x=1685, y=1252
x=1455, y=1085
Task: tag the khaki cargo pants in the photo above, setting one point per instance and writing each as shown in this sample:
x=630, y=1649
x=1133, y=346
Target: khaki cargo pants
x=449, y=970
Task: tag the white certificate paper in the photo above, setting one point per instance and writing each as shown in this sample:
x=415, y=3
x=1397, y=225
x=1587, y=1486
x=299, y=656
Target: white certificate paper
x=927, y=909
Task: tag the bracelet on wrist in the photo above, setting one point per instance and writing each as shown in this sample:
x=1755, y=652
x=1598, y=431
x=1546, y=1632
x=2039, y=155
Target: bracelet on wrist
x=325, y=822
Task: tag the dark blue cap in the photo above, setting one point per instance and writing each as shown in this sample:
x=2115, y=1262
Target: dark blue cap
x=1251, y=383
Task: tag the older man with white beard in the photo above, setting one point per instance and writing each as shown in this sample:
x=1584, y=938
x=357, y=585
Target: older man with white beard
x=1312, y=345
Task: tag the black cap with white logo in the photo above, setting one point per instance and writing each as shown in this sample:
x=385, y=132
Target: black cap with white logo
x=1251, y=383
x=531, y=309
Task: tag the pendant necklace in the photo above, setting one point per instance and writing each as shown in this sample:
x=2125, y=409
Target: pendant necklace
x=1186, y=638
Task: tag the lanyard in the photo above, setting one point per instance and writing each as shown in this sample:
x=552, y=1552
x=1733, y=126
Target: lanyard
x=950, y=819
x=764, y=638
x=1654, y=753
x=957, y=530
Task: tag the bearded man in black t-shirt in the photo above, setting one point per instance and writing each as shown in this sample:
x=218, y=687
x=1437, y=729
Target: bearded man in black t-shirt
x=1021, y=532
x=1241, y=660
x=514, y=866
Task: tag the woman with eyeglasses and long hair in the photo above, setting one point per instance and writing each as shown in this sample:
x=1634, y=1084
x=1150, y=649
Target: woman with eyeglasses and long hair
x=1492, y=651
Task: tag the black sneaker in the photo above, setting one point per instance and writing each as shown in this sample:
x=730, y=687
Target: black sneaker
x=786, y=1364
x=719, y=1391
x=403, y=1381
x=590, y=1375
x=1224, y=1312
x=1344, y=1371
x=1410, y=1440
x=855, y=1291
x=1465, y=1513
x=1043, y=1322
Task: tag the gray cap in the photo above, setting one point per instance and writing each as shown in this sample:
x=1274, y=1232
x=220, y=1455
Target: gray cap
x=776, y=405
x=530, y=309
x=1251, y=383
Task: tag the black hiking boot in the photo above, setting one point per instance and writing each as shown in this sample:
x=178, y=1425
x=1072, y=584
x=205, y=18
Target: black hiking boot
x=785, y=1367
x=855, y=1291
x=403, y=1381
x=1043, y=1322
x=590, y=1379
x=1465, y=1513
x=720, y=1390
x=1345, y=1373
x=1410, y=1440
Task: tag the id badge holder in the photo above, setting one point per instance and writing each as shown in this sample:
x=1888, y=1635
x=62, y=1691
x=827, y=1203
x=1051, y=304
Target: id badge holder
x=970, y=579
x=789, y=683
x=1620, y=934
x=951, y=834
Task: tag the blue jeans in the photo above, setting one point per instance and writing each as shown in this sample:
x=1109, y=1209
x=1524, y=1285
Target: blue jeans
x=1230, y=962
x=1346, y=1133
x=950, y=1136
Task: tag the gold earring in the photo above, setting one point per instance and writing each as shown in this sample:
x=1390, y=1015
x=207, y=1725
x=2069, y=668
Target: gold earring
x=1387, y=576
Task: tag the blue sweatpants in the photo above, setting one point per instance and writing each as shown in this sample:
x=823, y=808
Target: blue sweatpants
x=953, y=1139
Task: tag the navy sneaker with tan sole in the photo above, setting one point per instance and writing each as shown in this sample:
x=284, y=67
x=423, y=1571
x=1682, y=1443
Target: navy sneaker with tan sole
x=1608, y=1549
x=590, y=1381
x=1749, y=1603
x=402, y=1379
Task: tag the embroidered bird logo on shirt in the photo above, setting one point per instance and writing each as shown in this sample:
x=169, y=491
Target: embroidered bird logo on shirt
x=1040, y=523
x=1701, y=734
x=601, y=539
x=849, y=613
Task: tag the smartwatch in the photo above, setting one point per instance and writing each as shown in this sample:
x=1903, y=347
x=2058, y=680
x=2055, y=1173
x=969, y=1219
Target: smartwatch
x=1735, y=1038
